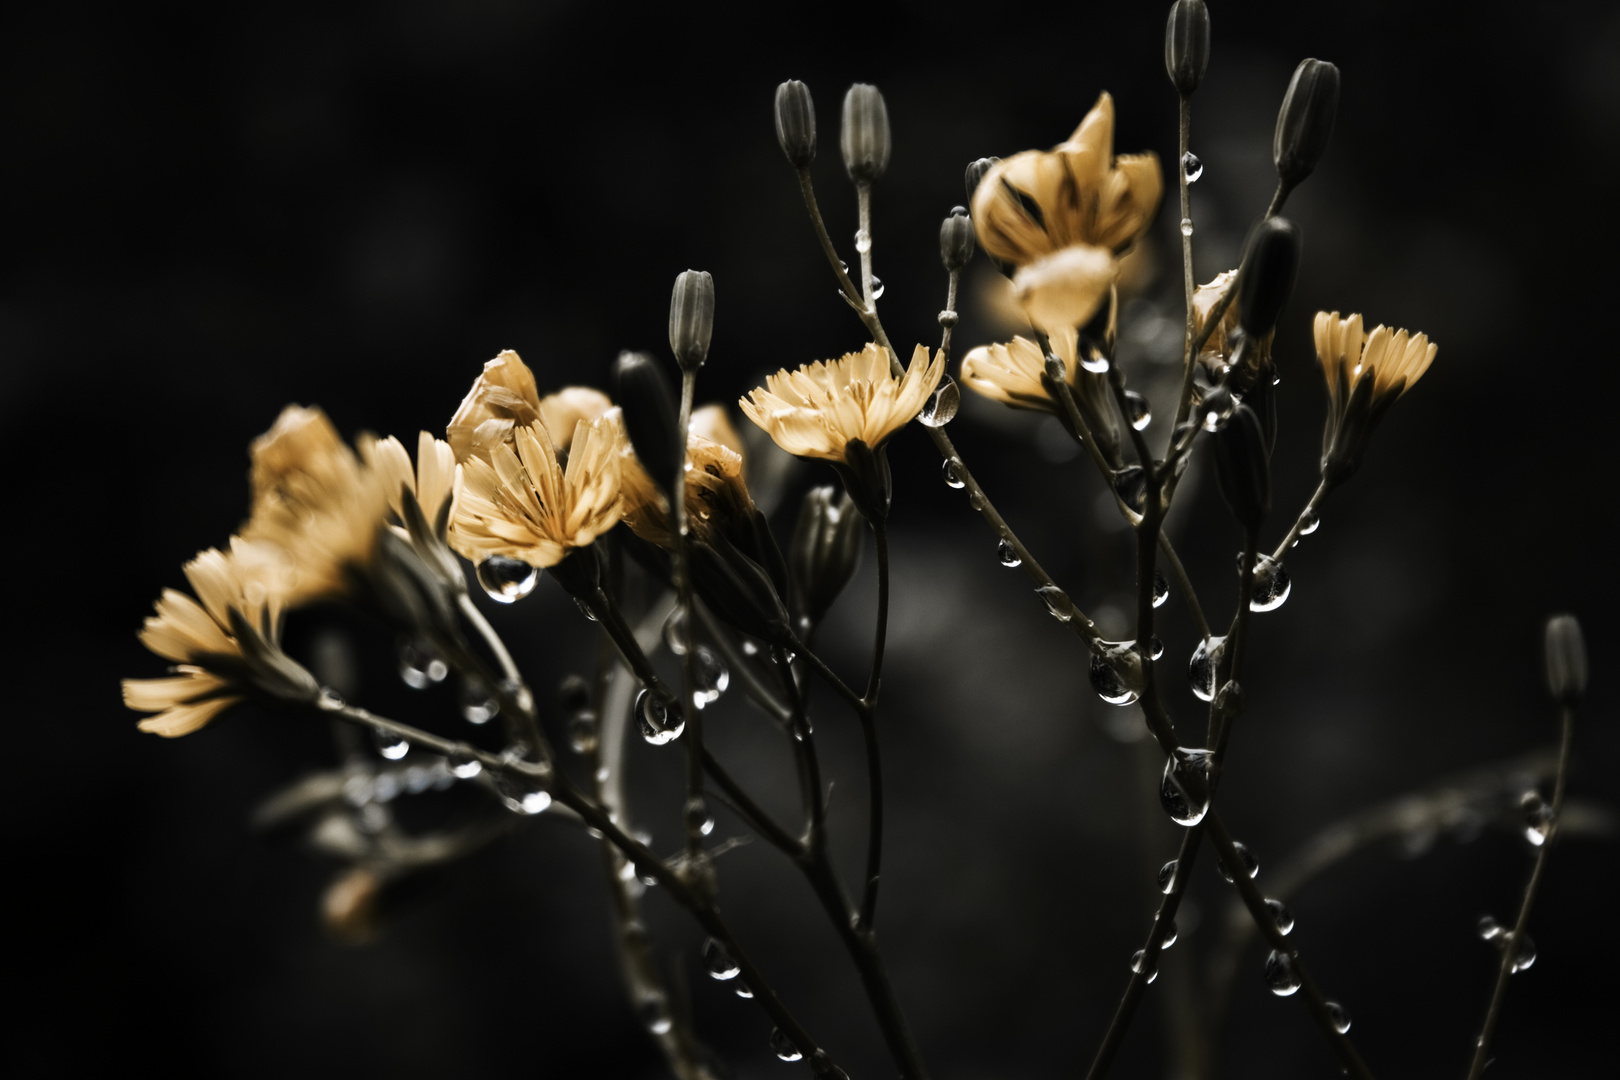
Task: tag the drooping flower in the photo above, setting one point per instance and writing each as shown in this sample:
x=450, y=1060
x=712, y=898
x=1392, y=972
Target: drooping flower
x=504, y=398
x=1011, y=373
x=521, y=504
x=1366, y=373
x=715, y=488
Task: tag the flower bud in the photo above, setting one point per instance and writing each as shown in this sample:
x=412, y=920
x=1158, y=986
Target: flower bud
x=691, y=318
x=865, y=138
x=1243, y=468
x=1186, y=44
x=1270, y=264
x=956, y=239
x=796, y=123
x=975, y=173
x=1305, y=122
x=1566, y=659
x=826, y=549
x=649, y=417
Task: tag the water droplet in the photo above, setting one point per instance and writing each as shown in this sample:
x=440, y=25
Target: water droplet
x=719, y=962
x=652, y=715
x=877, y=287
x=1184, y=790
x=1524, y=956
x=1008, y=554
x=463, y=765
x=522, y=794
x=507, y=580
x=1489, y=929
x=822, y=1067
x=1186, y=226
x=1116, y=669
x=698, y=817
x=1215, y=411
x=1167, y=876
x=329, y=700
x=1250, y=862
x=419, y=668
x=1192, y=167
x=654, y=1016
x=1155, y=647
x=952, y=478
x=783, y=1046
x=1206, y=658
x=1130, y=484
x=584, y=609
x=750, y=647
x=1538, y=818
x=1140, y=965
x=1271, y=584
x=742, y=989
x=1339, y=1015
x=1161, y=590
x=1280, y=974
x=1281, y=916
x=1057, y=602
x=1171, y=936
x=675, y=632
x=584, y=732
x=940, y=409
x=863, y=241
x=709, y=676
x=1309, y=523
x=1141, y=413
x=389, y=745
x=478, y=704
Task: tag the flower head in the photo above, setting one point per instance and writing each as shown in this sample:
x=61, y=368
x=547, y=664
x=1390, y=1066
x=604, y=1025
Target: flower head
x=521, y=504
x=819, y=409
x=1012, y=373
x=1366, y=373
x=504, y=398
x=715, y=490
x=1218, y=351
x=431, y=482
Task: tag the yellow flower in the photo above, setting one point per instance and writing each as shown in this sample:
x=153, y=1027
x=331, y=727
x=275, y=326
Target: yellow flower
x=715, y=489
x=713, y=422
x=1011, y=373
x=199, y=638
x=1366, y=374
x=818, y=410
x=1216, y=352
x=521, y=504
x=504, y=397
x=432, y=482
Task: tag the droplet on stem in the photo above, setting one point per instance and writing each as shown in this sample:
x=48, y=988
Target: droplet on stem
x=1250, y=862
x=719, y=962
x=1167, y=876
x=507, y=580
x=941, y=406
x=1339, y=1015
x=1271, y=583
x=1008, y=554
x=389, y=745
x=1184, y=790
x=784, y=1046
x=1161, y=589
x=710, y=678
x=1192, y=167
x=1141, y=414
x=1280, y=974
x=1281, y=916
x=1201, y=669
x=952, y=479
x=652, y=716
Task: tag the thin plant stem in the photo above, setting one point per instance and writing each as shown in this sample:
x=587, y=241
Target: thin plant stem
x=742, y=666
x=880, y=534
x=1510, y=943
x=683, y=595
x=1184, y=131
x=868, y=717
x=1323, y=490
x=1194, y=608
x=863, y=196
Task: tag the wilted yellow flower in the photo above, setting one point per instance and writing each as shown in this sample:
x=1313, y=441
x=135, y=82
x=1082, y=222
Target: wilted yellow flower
x=197, y=636
x=1011, y=373
x=715, y=488
x=713, y=422
x=521, y=504
x=1366, y=374
x=504, y=398
x=819, y=409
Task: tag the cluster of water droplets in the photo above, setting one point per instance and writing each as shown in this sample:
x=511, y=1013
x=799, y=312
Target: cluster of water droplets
x=1184, y=789
x=1524, y=950
x=942, y=405
x=420, y=667
x=507, y=580
x=1271, y=583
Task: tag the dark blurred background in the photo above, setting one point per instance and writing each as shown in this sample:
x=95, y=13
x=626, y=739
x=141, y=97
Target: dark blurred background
x=217, y=210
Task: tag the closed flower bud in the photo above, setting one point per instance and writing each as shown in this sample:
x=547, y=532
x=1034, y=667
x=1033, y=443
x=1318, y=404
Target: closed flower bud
x=1270, y=264
x=956, y=239
x=865, y=138
x=796, y=122
x=975, y=173
x=1243, y=467
x=826, y=550
x=1186, y=44
x=1305, y=122
x=1566, y=660
x=691, y=318
x=649, y=416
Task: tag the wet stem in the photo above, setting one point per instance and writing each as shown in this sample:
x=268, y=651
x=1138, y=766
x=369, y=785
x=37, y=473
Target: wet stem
x=683, y=591
x=874, y=762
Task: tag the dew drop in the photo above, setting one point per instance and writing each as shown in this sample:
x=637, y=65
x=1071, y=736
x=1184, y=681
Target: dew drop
x=1186, y=226
x=1116, y=671
x=719, y=962
x=1250, y=862
x=940, y=408
x=698, y=817
x=863, y=241
x=1171, y=936
x=329, y=700
x=1271, y=583
x=1215, y=411
x=1167, y=876
x=654, y=1016
x=1524, y=955
x=507, y=580
x=1155, y=647
x=1184, y=790
x=584, y=732
x=1206, y=658
x=1140, y=965
x=742, y=989
x=1192, y=167
x=709, y=676
x=1309, y=523
x=1280, y=974
x=976, y=501
x=1130, y=484
x=463, y=765
x=478, y=704
x=1057, y=602
x=1161, y=589
x=652, y=716
x=1489, y=929
x=1339, y=1015
x=419, y=668
x=1538, y=818
x=952, y=478
x=675, y=632
x=521, y=794
x=877, y=287
x=584, y=609
x=1281, y=916
x=1141, y=414
x=391, y=746
x=783, y=1046
x=1008, y=554
x=823, y=1068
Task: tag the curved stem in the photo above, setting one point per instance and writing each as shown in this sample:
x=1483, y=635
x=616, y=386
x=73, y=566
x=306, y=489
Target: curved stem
x=1194, y=608
x=1323, y=490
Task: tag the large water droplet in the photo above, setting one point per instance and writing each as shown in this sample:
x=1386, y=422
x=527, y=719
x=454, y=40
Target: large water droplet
x=940, y=408
x=709, y=676
x=1192, y=167
x=389, y=745
x=1130, y=483
x=652, y=716
x=1538, y=818
x=1201, y=669
x=1339, y=1015
x=419, y=668
x=1271, y=584
x=675, y=632
x=1309, y=523
x=719, y=962
x=877, y=287
x=1215, y=411
x=1171, y=936
x=863, y=241
x=1141, y=414
x=1280, y=974
x=1250, y=861
x=1116, y=670
x=1281, y=916
x=478, y=704
x=463, y=765
x=1008, y=554
x=1184, y=790
x=584, y=732
x=1186, y=226
x=1161, y=589
x=783, y=1046
x=1167, y=876
x=1057, y=602
x=1524, y=954
x=507, y=580
x=1141, y=965
x=948, y=471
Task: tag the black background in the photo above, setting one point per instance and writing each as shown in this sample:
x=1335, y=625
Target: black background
x=213, y=211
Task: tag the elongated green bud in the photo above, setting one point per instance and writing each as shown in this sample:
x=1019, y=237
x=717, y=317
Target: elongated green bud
x=956, y=239
x=691, y=318
x=1566, y=659
x=796, y=122
x=1243, y=467
x=1186, y=44
x=649, y=416
x=865, y=138
x=975, y=172
x=1305, y=122
x=1266, y=278
x=826, y=549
